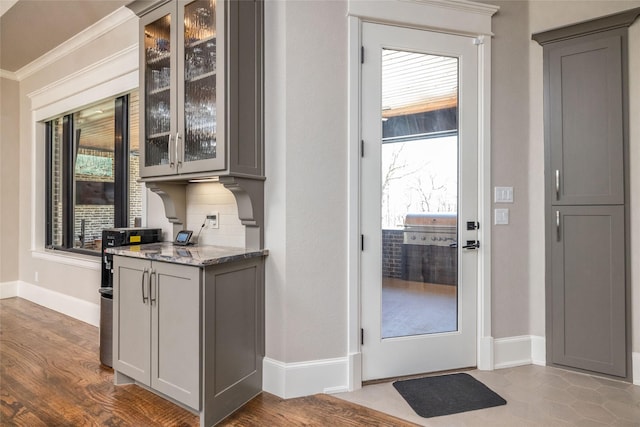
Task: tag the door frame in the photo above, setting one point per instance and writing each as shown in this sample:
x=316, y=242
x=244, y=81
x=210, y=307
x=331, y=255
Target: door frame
x=469, y=19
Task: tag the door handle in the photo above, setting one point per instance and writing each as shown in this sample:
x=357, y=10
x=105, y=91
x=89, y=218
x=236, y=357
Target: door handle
x=172, y=161
x=145, y=272
x=178, y=151
x=557, y=184
x=152, y=286
x=472, y=244
x=558, y=226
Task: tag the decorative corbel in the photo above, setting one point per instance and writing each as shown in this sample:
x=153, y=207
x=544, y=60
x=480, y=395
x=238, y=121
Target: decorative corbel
x=249, y=195
x=174, y=199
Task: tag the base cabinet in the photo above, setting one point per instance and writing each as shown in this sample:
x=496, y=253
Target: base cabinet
x=158, y=326
x=588, y=289
x=191, y=334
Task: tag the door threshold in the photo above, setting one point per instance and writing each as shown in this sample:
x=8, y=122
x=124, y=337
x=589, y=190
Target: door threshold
x=410, y=377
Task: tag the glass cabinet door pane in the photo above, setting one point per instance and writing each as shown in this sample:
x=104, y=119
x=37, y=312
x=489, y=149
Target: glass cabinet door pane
x=158, y=76
x=200, y=80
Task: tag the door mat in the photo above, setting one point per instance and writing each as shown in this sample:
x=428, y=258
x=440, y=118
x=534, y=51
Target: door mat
x=447, y=394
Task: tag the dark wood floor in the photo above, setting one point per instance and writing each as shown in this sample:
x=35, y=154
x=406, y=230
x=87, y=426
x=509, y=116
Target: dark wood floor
x=50, y=375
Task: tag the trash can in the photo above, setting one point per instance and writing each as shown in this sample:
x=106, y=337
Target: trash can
x=106, y=326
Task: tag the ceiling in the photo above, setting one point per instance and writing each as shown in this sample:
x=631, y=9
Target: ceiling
x=414, y=82
x=31, y=28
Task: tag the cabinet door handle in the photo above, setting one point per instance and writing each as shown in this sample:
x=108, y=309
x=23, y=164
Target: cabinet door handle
x=152, y=285
x=172, y=161
x=557, y=184
x=145, y=272
x=558, y=226
x=179, y=154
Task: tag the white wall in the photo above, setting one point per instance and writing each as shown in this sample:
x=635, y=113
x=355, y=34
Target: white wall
x=511, y=274
x=72, y=276
x=306, y=187
x=306, y=161
x=9, y=179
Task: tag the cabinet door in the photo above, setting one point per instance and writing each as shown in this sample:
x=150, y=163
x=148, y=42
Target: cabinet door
x=158, y=103
x=132, y=319
x=586, y=121
x=588, y=288
x=175, y=339
x=201, y=138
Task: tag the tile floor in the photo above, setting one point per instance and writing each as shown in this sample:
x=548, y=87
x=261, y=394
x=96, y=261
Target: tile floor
x=535, y=395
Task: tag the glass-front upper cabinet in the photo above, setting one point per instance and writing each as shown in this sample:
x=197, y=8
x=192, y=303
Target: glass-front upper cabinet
x=181, y=119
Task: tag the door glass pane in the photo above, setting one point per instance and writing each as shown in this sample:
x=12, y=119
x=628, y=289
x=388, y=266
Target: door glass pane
x=157, y=91
x=419, y=193
x=93, y=145
x=200, y=80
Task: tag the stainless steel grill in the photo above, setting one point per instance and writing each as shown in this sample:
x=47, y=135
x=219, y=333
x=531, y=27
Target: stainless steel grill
x=430, y=229
x=429, y=252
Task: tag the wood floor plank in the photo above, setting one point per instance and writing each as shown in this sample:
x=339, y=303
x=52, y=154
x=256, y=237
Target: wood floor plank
x=50, y=375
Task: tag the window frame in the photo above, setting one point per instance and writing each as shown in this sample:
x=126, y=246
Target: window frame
x=121, y=175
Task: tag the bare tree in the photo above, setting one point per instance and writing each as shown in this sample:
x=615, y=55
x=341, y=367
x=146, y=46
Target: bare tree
x=397, y=170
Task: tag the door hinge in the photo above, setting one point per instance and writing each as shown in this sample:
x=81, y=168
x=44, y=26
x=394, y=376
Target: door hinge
x=362, y=148
x=361, y=336
x=362, y=54
x=362, y=242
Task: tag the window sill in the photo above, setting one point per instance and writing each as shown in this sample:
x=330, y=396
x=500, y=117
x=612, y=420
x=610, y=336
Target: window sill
x=89, y=262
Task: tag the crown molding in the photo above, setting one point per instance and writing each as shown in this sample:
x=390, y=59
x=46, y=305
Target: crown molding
x=463, y=17
x=460, y=6
x=622, y=19
x=5, y=5
x=4, y=74
x=106, y=24
x=92, y=77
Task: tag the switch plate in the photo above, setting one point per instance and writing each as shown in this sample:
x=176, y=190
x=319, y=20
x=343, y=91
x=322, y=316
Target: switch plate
x=501, y=216
x=503, y=194
x=213, y=220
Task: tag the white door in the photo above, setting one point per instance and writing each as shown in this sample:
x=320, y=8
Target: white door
x=419, y=175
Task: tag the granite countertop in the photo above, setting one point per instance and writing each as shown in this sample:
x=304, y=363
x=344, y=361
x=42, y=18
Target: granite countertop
x=195, y=255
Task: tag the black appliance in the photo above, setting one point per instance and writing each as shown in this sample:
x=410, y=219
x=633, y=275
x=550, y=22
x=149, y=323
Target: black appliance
x=111, y=238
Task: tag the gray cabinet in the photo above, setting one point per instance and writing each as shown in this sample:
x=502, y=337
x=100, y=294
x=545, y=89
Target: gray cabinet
x=585, y=121
x=202, y=86
x=588, y=288
x=157, y=326
x=191, y=334
x=586, y=202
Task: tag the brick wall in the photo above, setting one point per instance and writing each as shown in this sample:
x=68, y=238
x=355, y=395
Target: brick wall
x=392, y=253
x=96, y=217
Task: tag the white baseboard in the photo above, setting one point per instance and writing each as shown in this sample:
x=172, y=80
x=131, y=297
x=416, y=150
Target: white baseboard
x=289, y=380
x=9, y=289
x=635, y=361
x=355, y=371
x=65, y=304
x=538, y=350
x=486, y=354
x=519, y=351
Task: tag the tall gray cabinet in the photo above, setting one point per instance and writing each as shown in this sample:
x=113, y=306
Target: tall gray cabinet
x=587, y=203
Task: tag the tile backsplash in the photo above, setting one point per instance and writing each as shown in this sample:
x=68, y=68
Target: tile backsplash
x=204, y=198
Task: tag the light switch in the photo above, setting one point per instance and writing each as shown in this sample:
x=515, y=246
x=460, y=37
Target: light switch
x=503, y=194
x=501, y=216
x=213, y=219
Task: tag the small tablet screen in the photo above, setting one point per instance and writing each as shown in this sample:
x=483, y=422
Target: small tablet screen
x=182, y=238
